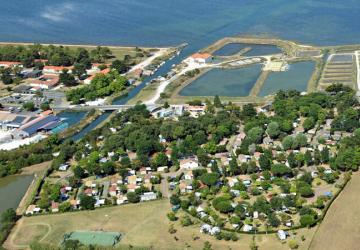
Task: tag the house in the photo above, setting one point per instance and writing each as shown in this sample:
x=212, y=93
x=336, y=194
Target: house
x=143, y=171
x=88, y=192
x=75, y=204
x=54, y=207
x=247, y=182
x=132, y=179
x=121, y=200
x=205, y=228
x=63, y=167
x=235, y=192
x=232, y=181
x=56, y=69
x=200, y=58
x=215, y=230
x=247, y=228
x=131, y=187
x=188, y=175
x=148, y=196
x=45, y=81
x=113, y=190
x=31, y=73
x=138, y=72
x=7, y=64
x=195, y=111
x=162, y=169
x=32, y=209
x=99, y=202
x=189, y=163
x=102, y=72
x=182, y=187
x=282, y=234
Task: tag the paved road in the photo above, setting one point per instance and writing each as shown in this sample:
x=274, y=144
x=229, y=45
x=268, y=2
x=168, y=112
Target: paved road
x=164, y=186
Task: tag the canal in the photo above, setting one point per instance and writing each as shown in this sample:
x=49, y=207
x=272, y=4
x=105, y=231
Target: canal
x=12, y=189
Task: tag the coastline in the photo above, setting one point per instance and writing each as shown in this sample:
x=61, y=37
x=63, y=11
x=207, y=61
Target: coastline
x=86, y=45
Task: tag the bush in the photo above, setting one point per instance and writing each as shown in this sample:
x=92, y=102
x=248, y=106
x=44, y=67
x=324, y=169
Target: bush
x=171, y=216
x=307, y=220
x=186, y=221
x=133, y=197
x=293, y=244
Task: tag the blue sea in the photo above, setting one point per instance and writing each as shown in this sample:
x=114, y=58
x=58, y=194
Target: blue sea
x=170, y=22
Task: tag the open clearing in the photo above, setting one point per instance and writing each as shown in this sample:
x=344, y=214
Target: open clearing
x=142, y=225
x=340, y=229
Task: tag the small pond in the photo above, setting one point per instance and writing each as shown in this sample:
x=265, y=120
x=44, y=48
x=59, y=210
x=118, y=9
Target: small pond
x=224, y=82
x=296, y=78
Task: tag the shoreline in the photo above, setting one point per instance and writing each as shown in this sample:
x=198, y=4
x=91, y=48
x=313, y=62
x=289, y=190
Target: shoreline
x=86, y=45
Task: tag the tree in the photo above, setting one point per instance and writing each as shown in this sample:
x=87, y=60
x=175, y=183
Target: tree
x=207, y=246
x=248, y=111
x=171, y=216
x=72, y=244
x=308, y=158
x=273, y=130
x=160, y=160
x=300, y=141
x=6, y=77
x=307, y=220
x=309, y=123
x=166, y=105
x=217, y=102
x=87, y=202
x=120, y=66
x=186, y=221
x=67, y=79
x=45, y=106
x=101, y=54
x=223, y=204
x=29, y=106
x=305, y=190
x=133, y=197
x=175, y=200
x=325, y=155
x=293, y=244
x=203, y=158
x=288, y=142
x=291, y=160
x=79, y=70
x=273, y=220
x=265, y=162
x=9, y=215
x=209, y=179
x=255, y=135
x=280, y=170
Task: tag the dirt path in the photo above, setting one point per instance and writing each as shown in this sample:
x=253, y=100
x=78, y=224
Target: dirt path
x=9, y=243
x=340, y=228
x=38, y=171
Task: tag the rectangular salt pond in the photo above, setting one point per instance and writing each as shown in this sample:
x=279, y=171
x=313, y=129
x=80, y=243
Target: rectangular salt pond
x=256, y=49
x=342, y=58
x=295, y=78
x=224, y=82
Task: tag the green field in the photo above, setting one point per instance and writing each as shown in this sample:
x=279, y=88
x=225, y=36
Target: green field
x=141, y=225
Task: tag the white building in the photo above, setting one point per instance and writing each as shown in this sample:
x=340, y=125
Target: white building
x=190, y=163
x=200, y=58
x=149, y=196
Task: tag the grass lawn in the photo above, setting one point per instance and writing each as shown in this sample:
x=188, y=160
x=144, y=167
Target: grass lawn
x=339, y=229
x=142, y=225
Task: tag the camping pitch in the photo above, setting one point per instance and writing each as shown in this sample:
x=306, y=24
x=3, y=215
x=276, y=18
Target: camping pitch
x=99, y=238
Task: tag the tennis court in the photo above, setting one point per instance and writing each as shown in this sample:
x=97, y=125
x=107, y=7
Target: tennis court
x=99, y=238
